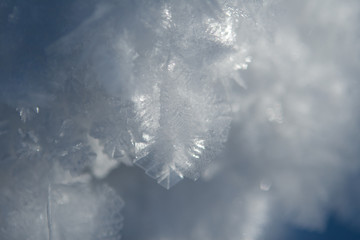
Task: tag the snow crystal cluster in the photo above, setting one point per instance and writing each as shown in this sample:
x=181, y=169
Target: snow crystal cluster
x=158, y=105
x=109, y=95
x=255, y=98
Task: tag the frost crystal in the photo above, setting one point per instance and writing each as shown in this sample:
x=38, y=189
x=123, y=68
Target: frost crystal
x=182, y=125
x=182, y=118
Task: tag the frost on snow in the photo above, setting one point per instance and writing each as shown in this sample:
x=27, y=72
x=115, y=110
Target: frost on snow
x=45, y=190
x=182, y=125
x=181, y=115
x=249, y=96
x=108, y=96
x=159, y=104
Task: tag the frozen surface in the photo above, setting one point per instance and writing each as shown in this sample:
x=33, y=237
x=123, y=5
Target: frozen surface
x=257, y=100
x=77, y=211
x=182, y=115
x=182, y=125
x=43, y=194
x=71, y=210
x=156, y=105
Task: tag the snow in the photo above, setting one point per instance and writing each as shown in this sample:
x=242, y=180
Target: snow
x=256, y=101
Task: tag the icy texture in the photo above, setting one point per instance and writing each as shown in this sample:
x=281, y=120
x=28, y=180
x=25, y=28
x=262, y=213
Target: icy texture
x=182, y=117
x=31, y=210
x=110, y=128
x=182, y=125
x=23, y=201
x=156, y=101
x=97, y=77
x=86, y=85
x=77, y=212
x=43, y=184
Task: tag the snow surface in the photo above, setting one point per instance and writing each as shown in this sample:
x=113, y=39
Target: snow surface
x=256, y=100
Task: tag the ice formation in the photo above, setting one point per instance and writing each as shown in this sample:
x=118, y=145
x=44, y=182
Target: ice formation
x=181, y=107
x=175, y=118
x=182, y=117
x=257, y=98
x=182, y=126
x=64, y=211
x=45, y=190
